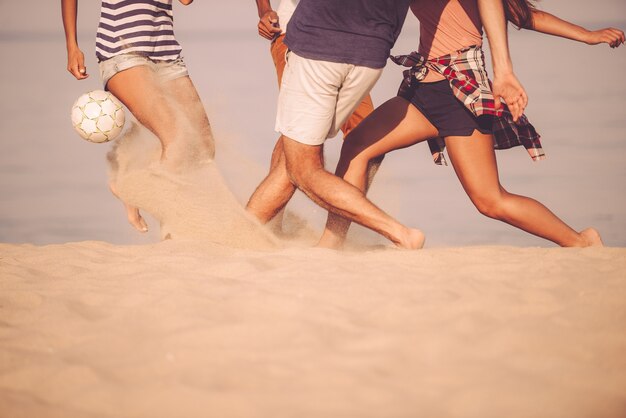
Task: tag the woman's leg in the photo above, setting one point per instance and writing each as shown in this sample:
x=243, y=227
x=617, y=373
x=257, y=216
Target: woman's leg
x=144, y=95
x=395, y=124
x=198, y=139
x=475, y=164
x=162, y=108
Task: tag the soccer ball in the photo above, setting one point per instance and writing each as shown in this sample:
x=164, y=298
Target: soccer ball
x=98, y=116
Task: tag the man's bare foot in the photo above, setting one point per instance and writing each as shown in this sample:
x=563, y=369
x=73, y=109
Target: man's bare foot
x=591, y=237
x=132, y=213
x=413, y=240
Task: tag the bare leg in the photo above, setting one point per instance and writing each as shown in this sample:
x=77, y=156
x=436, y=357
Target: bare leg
x=306, y=169
x=475, y=164
x=191, y=110
x=271, y=196
x=149, y=101
x=142, y=93
x=394, y=125
x=277, y=188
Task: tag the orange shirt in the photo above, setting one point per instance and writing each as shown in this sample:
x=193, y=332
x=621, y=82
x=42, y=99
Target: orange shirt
x=446, y=26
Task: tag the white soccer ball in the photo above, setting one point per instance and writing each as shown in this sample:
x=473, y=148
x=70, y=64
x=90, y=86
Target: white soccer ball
x=98, y=116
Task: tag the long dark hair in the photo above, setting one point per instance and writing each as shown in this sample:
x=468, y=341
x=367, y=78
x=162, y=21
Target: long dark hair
x=520, y=13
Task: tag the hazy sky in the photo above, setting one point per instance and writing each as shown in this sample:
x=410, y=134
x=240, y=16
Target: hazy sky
x=219, y=15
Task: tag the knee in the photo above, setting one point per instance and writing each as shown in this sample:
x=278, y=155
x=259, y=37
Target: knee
x=353, y=156
x=303, y=163
x=300, y=176
x=490, y=205
x=303, y=173
x=278, y=170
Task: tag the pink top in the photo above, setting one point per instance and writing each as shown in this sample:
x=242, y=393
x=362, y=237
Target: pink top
x=446, y=26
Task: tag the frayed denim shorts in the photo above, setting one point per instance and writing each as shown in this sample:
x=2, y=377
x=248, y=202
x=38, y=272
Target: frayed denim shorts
x=165, y=70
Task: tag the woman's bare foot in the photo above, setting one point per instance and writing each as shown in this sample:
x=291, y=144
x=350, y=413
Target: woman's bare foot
x=591, y=237
x=132, y=213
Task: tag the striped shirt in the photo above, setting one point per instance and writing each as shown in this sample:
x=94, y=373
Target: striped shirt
x=144, y=27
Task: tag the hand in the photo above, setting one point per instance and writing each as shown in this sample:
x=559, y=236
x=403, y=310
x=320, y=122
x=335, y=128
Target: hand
x=613, y=37
x=268, y=25
x=506, y=86
x=76, y=64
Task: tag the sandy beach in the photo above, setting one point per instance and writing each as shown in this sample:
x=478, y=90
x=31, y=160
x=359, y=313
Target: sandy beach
x=192, y=329
x=225, y=320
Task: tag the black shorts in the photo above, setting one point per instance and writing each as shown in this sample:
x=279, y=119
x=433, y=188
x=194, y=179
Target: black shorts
x=437, y=102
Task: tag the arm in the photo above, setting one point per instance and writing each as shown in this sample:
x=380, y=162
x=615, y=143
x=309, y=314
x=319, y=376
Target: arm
x=505, y=84
x=546, y=23
x=268, y=20
x=75, y=57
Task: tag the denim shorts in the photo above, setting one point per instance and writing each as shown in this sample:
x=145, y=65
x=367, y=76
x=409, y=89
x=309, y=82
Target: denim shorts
x=438, y=104
x=165, y=70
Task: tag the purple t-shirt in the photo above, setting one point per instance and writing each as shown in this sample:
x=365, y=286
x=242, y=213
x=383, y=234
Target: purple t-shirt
x=359, y=32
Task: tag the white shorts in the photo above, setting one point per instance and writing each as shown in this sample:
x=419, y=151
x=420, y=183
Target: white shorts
x=317, y=97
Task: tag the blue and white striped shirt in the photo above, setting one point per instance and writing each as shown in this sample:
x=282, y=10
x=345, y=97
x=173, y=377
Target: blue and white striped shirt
x=144, y=27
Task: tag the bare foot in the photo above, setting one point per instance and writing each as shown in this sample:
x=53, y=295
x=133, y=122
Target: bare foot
x=592, y=238
x=413, y=240
x=132, y=213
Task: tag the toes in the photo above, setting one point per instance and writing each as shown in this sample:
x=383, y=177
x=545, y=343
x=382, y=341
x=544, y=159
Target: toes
x=136, y=220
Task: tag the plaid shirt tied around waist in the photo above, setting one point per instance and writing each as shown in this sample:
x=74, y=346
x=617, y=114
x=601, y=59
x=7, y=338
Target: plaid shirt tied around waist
x=466, y=73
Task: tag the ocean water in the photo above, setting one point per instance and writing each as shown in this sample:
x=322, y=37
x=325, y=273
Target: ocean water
x=53, y=185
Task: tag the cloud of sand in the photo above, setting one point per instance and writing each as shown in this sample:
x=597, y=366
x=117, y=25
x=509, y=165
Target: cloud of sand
x=191, y=200
x=189, y=203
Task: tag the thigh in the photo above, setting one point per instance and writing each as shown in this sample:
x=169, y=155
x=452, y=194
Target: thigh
x=185, y=97
x=394, y=125
x=302, y=159
x=474, y=161
x=189, y=107
x=140, y=90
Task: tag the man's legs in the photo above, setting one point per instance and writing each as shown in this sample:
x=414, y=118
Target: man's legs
x=306, y=169
x=274, y=191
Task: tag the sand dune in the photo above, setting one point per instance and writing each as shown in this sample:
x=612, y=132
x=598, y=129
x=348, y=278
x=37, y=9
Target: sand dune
x=196, y=329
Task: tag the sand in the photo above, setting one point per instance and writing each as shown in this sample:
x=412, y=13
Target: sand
x=224, y=319
x=194, y=329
